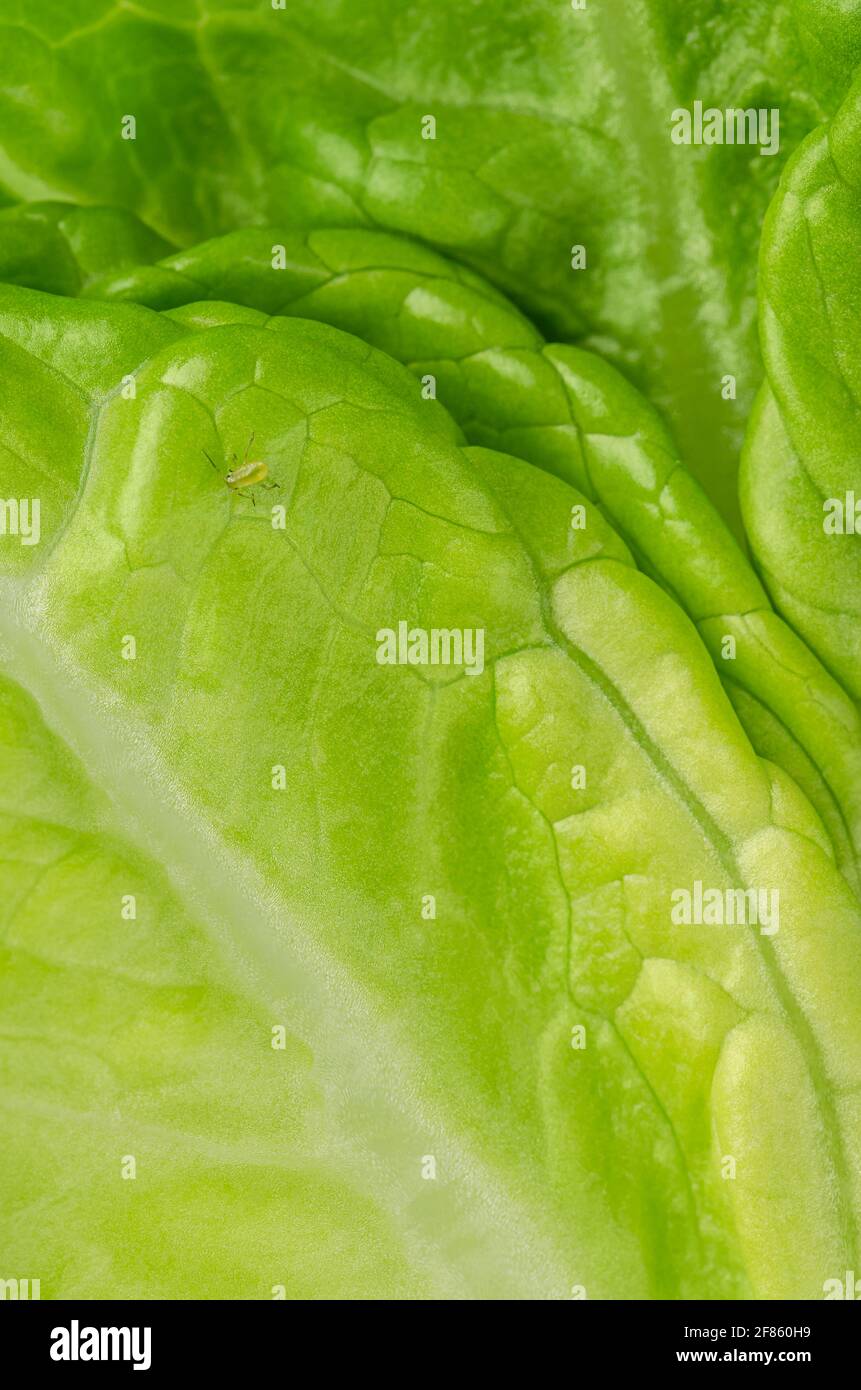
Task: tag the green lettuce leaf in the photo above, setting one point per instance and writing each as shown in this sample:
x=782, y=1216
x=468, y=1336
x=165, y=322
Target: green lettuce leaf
x=802, y=476
x=552, y=131
x=337, y=966
x=505, y=1071
x=563, y=409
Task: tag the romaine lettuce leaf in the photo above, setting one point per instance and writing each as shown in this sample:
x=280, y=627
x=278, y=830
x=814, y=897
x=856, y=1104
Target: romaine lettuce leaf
x=552, y=131
x=382, y=654
x=802, y=478
x=283, y=808
x=565, y=410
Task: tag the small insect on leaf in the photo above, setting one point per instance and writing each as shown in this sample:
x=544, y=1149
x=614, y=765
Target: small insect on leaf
x=248, y=474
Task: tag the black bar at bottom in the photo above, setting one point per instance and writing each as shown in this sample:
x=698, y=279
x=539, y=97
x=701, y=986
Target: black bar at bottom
x=155, y=1339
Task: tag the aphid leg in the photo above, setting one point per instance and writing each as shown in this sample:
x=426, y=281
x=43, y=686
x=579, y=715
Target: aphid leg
x=248, y=447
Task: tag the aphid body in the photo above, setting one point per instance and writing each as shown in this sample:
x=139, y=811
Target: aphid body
x=247, y=475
